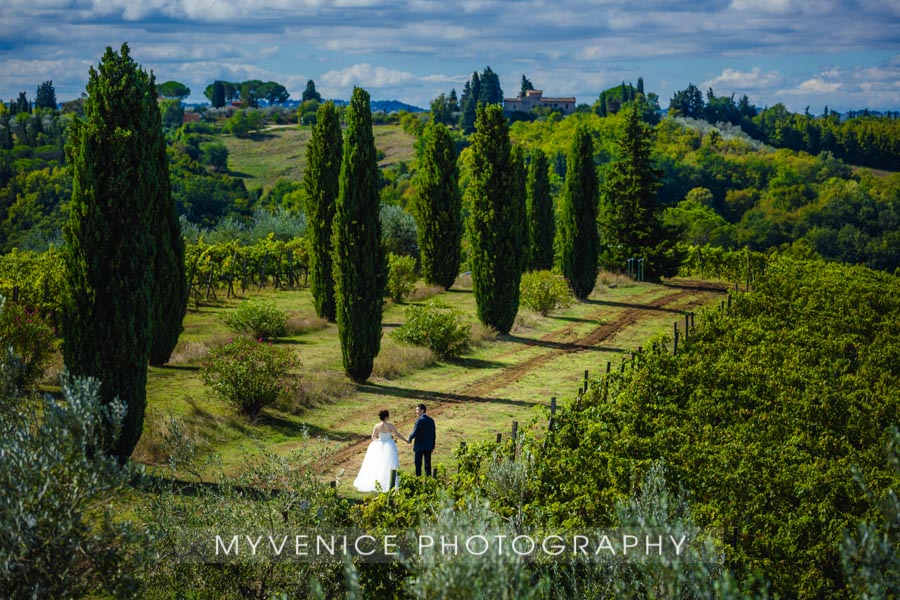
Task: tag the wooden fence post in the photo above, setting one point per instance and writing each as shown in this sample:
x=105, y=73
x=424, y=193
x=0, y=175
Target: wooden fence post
x=499, y=437
x=553, y=405
x=393, y=479
x=675, y=348
x=585, y=381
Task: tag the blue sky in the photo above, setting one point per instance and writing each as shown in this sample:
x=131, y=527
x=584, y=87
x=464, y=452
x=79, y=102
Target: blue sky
x=839, y=53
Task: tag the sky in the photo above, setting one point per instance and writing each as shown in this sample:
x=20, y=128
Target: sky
x=844, y=54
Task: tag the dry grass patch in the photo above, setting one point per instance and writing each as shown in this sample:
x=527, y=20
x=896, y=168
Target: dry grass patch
x=610, y=280
x=316, y=389
x=424, y=291
x=300, y=324
x=193, y=352
x=482, y=335
x=395, y=361
x=526, y=320
x=464, y=281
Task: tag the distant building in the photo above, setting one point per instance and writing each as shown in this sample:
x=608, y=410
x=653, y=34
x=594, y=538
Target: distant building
x=534, y=99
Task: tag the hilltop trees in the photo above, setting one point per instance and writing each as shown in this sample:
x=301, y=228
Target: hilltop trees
x=174, y=90
x=46, y=96
x=360, y=269
x=541, y=220
x=438, y=207
x=321, y=181
x=118, y=183
x=630, y=223
x=496, y=221
x=577, y=240
x=310, y=92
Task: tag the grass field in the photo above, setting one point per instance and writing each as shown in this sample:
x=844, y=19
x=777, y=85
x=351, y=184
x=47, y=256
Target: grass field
x=501, y=380
x=280, y=153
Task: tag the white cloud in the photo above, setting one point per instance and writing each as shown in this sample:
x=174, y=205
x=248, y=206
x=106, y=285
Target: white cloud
x=365, y=75
x=733, y=80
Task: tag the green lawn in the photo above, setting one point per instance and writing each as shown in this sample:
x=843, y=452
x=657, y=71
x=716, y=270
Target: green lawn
x=472, y=398
x=280, y=153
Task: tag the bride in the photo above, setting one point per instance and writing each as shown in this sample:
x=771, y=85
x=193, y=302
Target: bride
x=381, y=457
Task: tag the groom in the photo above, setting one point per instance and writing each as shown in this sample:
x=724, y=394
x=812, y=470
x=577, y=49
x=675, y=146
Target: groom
x=423, y=432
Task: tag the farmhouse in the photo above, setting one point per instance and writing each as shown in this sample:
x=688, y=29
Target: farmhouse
x=534, y=99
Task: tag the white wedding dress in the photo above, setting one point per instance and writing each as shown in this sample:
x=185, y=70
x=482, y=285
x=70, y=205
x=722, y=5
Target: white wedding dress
x=381, y=457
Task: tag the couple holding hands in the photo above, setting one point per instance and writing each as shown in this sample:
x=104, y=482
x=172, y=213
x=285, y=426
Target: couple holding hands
x=382, y=456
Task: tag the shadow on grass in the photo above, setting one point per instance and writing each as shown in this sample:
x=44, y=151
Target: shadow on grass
x=564, y=346
x=637, y=306
x=423, y=395
x=706, y=287
x=572, y=319
x=178, y=368
x=475, y=363
x=287, y=427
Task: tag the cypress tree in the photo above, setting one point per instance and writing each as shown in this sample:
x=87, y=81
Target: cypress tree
x=438, y=207
x=630, y=223
x=519, y=197
x=360, y=268
x=541, y=220
x=218, y=95
x=109, y=266
x=577, y=238
x=322, y=183
x=170, y=291
x=494, y=221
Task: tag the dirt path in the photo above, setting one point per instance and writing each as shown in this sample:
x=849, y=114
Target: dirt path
x=480, y=390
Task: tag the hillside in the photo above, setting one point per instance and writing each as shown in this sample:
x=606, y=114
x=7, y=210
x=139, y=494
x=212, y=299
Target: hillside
x=280, y=153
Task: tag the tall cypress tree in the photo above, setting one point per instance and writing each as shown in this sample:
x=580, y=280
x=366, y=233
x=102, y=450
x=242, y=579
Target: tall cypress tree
x=577, y=239
x=170, y=292
x=438, y=207
x=630, y=223
x=360, y=268
x=218, y=94
x=519, y=196
x=109, y=266
x=494, y=221
x=322, y=183
x=541, y=220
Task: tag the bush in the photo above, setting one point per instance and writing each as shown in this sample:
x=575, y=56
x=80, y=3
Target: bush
x=542, y=291
x=440, y=330
x=401, y=276
x=59, y=537
x=249, y=374
x=257, y=318
x=30, y=338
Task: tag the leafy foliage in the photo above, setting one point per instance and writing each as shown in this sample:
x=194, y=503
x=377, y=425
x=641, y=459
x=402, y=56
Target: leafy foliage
x=576, y=236
x=259, y=319
x=30, y=338
x=543, y=291
x=496, y=221
x=321, y=182
x=118, y=186
x=249, y=374
x=360, y=269
x=442, y=331
x=541, y=216
x=438, y=208
x=401, y=276
x=59, y=538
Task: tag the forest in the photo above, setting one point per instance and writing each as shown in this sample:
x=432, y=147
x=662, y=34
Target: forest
x=192, y=326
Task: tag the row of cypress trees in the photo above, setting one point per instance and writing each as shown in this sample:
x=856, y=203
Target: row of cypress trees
x=126, y=292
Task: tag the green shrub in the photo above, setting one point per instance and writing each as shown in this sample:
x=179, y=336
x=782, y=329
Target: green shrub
x=59, y=537
x=30, y=338
x=249, y=374
x=542, y=291
x=257, y=318
x=438, y=329
x=401, y=276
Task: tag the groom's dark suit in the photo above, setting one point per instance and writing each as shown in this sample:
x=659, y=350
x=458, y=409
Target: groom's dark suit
x=423, y=433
